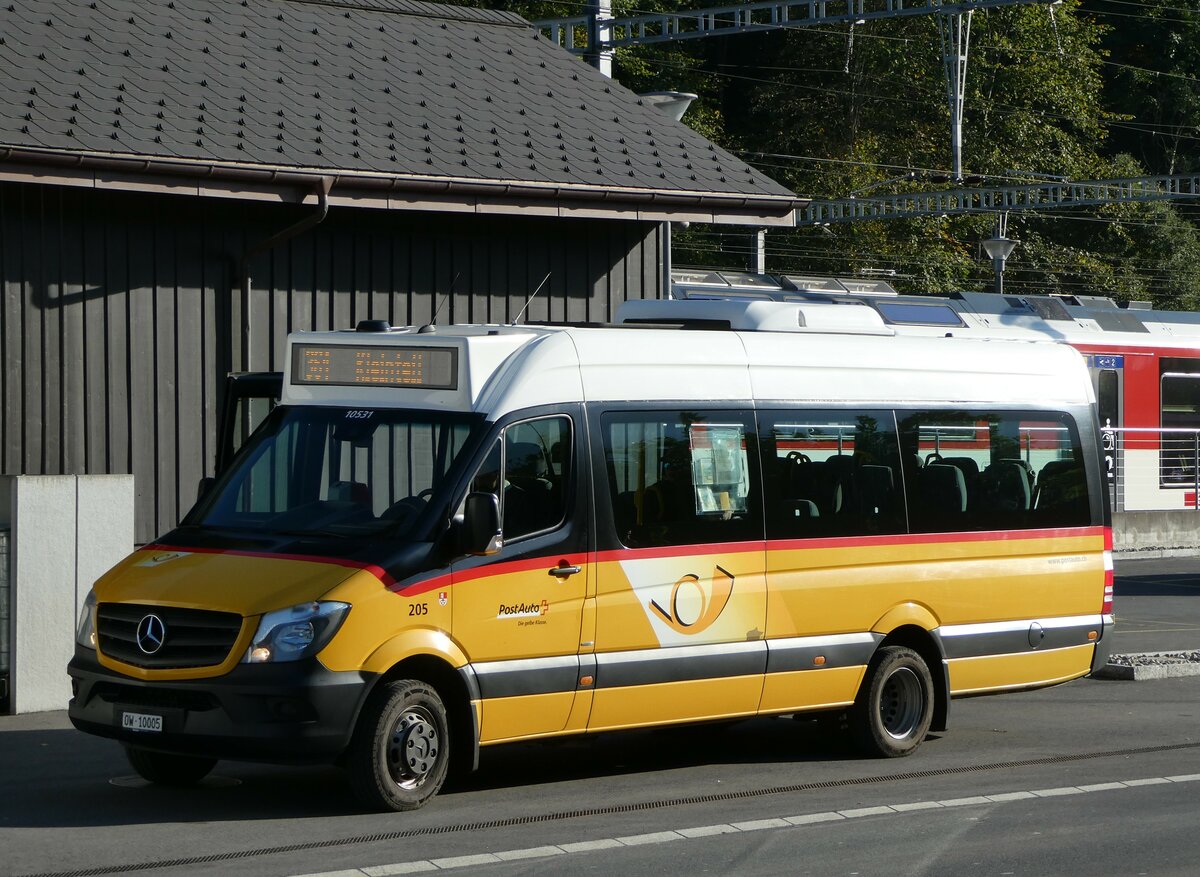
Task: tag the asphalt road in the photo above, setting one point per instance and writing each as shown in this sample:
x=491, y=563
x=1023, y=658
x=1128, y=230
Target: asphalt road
x=1071, y=780
x=1157, y=605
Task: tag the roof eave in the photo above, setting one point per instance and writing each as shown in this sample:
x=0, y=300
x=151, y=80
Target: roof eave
x=389, y=191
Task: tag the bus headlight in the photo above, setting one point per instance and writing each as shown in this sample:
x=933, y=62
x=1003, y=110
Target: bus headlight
x=295, y=633
x=85, y=630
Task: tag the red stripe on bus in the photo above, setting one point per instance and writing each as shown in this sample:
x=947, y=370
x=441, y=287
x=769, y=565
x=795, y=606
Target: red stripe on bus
x=525, y=564
x=681, y=551
x=935, y=538
x=548, y=561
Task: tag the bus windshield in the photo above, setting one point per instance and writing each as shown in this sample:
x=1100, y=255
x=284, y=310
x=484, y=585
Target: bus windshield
x=337, y=472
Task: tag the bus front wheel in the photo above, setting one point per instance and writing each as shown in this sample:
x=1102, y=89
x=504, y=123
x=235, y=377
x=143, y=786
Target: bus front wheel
x=401, y=748
x=894, y=708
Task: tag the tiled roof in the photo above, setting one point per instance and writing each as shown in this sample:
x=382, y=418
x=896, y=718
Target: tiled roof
x=387, y=87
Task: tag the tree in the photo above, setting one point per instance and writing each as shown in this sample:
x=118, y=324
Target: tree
x=1083, y=90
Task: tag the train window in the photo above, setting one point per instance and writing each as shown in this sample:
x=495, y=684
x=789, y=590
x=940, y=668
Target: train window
x=978, y=470
x=1180, y=417
x=682, y=478
x=831, y=473
x=908, y=314
x=1108, y=397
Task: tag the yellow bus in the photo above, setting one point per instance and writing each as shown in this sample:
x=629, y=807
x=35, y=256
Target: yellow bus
x=452, y=538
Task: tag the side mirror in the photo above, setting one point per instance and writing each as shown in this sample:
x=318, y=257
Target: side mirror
x=481, y=525
x=204, y=487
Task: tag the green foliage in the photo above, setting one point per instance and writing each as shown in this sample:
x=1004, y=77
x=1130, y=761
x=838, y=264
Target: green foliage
x=1092, y=89
x=1157, y=85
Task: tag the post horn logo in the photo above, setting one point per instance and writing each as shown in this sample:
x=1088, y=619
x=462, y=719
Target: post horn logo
x=695, y=605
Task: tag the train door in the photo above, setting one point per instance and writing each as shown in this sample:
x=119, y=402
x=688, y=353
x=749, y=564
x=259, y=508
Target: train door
x=1108, y=380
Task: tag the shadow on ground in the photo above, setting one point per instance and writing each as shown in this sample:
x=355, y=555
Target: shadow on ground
x=1161, y=585
x=62, y=778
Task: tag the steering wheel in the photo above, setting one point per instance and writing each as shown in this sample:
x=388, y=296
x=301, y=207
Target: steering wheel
x=406, y=508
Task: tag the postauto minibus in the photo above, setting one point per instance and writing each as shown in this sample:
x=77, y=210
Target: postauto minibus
x=452, y=538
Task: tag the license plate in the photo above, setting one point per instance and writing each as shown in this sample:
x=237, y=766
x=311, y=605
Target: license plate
x=141, y=722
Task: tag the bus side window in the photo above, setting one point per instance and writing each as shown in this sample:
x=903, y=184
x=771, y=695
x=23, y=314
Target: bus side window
x=536, y=459
x=527, y=470
x=682, y=478
x=831, y=473
x=984, y=470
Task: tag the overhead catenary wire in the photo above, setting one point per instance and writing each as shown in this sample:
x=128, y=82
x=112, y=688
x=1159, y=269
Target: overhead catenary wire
x=1136, y=126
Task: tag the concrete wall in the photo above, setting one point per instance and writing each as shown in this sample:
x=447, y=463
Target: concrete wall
x=4, y=628
x=1156, y=531
x=65, y=531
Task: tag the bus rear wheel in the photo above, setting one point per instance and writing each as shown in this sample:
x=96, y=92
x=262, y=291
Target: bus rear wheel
x=894, y=708
x=400, y=753
x=168, y=769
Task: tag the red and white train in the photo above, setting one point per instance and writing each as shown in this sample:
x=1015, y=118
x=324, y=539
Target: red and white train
x=1145, y=364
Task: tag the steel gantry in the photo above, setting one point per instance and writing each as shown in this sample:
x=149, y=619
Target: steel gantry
x=596, y=33
x=1001, y=199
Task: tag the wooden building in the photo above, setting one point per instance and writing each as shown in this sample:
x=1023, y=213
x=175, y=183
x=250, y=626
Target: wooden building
x=182, y=182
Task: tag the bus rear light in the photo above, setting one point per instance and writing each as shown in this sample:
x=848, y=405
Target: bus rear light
x=1106, y=607
x=1093, y=636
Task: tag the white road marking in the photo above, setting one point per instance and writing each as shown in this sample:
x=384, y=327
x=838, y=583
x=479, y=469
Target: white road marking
x=1011, y=796
x=654, y=837
x=466, y=861
x=707, y=831
x=966, y=802
x=1102, y=787
x=866, y=811
x=1058, y=793
x=531, y=853
x=760, y=824
x=401, y=868
x=587, y=846
x=787, y=822
x=810, y=818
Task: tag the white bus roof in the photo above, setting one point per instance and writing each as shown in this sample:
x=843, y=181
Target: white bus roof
x=494, y=370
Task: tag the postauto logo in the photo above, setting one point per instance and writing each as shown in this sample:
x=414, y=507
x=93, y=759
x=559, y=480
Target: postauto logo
x=523, y=610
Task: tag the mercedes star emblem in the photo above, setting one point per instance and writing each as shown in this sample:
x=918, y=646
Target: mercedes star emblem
x=151, y=632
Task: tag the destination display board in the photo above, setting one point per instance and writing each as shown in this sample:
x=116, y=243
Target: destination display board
x=362, y=365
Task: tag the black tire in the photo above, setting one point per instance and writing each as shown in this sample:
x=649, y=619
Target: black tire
x=894, y=708
x=168, y=769
x=400, y=753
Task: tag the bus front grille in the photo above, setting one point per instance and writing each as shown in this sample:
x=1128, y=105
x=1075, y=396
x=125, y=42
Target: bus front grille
x=180, y=638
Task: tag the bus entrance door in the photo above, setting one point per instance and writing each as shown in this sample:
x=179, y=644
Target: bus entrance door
x=521, y=609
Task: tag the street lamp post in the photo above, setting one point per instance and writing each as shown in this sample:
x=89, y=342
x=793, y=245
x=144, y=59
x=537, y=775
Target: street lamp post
x=999, y=248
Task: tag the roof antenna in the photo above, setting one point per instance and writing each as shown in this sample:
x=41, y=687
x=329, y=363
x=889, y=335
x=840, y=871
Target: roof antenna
x=530, y=299
x=431, y=326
